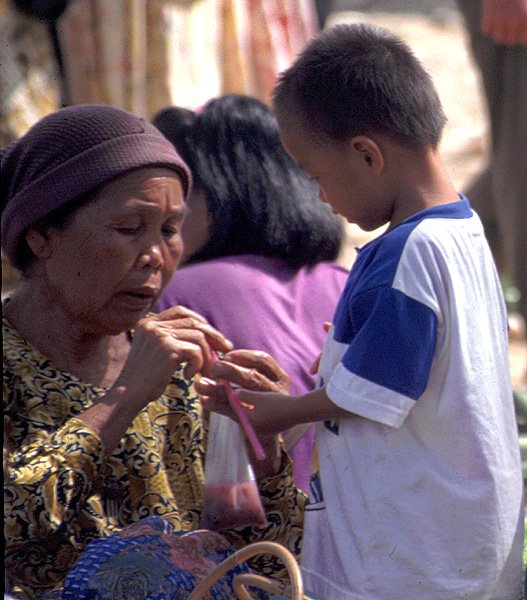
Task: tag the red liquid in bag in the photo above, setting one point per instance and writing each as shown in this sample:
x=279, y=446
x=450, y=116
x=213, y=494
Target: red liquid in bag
x=233, y=505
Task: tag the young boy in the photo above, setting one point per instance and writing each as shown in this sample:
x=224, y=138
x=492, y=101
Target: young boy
x=419, y=494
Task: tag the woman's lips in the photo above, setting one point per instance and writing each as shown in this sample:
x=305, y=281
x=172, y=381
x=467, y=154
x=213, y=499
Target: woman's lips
x=138, y=298
x=145, y=292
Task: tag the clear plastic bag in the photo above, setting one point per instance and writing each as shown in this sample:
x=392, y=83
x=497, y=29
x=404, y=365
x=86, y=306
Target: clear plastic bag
x=231, y=497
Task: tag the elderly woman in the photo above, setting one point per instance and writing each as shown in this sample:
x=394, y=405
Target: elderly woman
x=103, y=423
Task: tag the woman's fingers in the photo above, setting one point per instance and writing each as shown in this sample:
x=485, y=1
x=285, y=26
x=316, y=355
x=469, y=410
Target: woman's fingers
x=256, y=359
x=178, y=312
x=191, y=339
x=249, y=369
x=253, y=370
x=248, y=378
x=180, y=317
x=188, y=336
x=195, y=355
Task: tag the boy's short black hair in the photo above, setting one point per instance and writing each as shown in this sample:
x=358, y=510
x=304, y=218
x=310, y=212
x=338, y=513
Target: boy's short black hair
x=358, y=79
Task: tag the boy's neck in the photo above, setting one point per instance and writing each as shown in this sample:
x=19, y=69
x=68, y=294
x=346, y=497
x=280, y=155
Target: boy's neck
x=420, y=181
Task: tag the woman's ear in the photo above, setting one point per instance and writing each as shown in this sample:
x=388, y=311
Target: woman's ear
x=368, y=152
x=38, y=242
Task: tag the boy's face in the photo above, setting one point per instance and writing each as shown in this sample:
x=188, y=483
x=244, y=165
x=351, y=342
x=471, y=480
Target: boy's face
x=342, y=174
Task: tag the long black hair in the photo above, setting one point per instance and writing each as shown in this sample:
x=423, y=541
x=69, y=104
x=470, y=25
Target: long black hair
x=258, y=200
x=176, y=123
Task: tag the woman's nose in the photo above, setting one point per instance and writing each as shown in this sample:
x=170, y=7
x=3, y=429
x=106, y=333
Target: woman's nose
x=151, y=256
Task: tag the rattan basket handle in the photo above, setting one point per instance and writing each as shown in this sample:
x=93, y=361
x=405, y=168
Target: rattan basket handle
x=243, y=554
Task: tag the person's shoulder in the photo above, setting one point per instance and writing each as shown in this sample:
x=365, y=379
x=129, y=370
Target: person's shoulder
x=225, y=263
x=195, y=274
x=230, y=278
x=335, y=269
x=234, y=267
x=423, y=234
x=326, y=272
x=431, y=223
x=441, y=228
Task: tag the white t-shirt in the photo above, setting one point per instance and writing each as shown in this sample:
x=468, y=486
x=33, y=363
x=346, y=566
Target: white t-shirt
x=420, y=496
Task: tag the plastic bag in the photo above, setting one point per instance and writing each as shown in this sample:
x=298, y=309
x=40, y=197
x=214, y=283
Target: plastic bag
x=231, y=496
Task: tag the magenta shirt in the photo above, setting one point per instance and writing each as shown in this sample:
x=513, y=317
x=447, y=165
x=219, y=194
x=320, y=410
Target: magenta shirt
x=260, y=303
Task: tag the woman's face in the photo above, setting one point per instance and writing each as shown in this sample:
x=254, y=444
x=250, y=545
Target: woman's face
x=109, y=265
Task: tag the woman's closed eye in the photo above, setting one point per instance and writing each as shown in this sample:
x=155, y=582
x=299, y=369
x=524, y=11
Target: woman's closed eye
x=169, y=231
x=167, y=228
x=128, y=229
x=172, y=226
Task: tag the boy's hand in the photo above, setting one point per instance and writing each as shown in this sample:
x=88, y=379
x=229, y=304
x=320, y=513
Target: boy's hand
x=313, y=370
x=262, y=379
x=252, y=370
x=249, y=369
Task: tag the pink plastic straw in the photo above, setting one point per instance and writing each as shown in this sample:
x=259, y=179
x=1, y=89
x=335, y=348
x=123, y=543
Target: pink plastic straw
x=242, y=417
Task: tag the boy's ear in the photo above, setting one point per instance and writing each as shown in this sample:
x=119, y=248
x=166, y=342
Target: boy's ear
x=38, y=242
x=369, y=152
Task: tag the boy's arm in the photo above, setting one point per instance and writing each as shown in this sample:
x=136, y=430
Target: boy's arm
x=272, y=413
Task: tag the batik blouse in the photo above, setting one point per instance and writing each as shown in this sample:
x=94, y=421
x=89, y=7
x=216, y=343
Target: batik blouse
x=61, y=491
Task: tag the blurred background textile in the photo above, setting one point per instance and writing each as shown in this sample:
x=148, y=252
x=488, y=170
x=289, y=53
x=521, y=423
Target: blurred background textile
x=142, y=55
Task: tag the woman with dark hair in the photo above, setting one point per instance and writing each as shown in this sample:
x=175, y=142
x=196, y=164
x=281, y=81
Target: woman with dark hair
x=260, y=246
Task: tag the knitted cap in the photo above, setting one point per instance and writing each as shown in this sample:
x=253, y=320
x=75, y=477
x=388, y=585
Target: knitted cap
x=69, y=154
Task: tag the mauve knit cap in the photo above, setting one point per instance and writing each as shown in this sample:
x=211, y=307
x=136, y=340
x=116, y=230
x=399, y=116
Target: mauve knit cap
x=70, y=153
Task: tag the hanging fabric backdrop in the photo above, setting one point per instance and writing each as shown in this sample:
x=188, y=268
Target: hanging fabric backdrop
x=143, y=55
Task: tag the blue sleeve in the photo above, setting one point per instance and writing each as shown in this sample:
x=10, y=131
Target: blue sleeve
x=391, y=339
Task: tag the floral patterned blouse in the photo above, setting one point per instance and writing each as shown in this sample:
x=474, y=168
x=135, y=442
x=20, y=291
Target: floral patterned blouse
x=61, y=491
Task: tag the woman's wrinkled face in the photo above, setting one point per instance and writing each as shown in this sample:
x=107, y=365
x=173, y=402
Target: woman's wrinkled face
x=109, y=265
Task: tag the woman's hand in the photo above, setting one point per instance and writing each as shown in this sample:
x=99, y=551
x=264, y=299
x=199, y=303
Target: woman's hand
x=252, y=370
x=161, y=344
x=249, y=369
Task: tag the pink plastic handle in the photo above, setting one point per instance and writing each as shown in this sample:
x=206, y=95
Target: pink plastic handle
x=237, y=407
